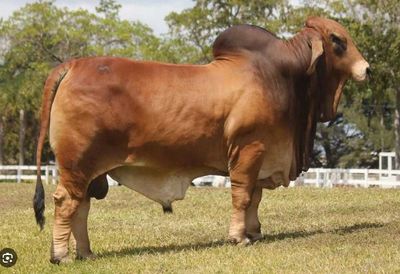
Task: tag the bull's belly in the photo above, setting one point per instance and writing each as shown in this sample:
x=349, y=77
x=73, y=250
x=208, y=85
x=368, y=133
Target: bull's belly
x=162, y=186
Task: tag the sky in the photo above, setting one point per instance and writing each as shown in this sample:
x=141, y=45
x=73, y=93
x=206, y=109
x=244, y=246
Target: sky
x=150, y=12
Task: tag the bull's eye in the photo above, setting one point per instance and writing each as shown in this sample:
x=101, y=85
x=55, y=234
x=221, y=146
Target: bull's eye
x=339, y=44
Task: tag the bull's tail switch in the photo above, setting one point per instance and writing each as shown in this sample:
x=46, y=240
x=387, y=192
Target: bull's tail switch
x=38, y=202
x=167, y=209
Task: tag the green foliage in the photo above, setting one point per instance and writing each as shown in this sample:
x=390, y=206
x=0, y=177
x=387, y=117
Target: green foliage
x=40, y=35
x=196, y=28
x=109, y=8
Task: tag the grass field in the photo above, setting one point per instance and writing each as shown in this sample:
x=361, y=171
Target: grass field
x=307, y=230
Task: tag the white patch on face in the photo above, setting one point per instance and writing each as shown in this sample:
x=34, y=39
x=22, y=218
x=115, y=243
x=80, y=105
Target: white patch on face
x=359, y=70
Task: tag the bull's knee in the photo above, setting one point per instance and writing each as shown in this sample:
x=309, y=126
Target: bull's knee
x=241, y=200
x=98, y=188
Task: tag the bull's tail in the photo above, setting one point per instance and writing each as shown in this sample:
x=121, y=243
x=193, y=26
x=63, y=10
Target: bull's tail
x=50, y=89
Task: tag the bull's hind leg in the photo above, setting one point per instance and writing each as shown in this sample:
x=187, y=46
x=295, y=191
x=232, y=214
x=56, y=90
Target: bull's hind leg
x=68, y=198
x=243, y=172
x=253, y=226
x=98, y=189
x=80, y=231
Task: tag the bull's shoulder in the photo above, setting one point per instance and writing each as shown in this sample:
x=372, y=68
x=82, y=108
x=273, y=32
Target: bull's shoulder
x=242, y=37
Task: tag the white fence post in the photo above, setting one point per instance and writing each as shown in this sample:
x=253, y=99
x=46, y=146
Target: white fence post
x=332, y=178
x=366, y=178
x=55, y=175
x=19, y=174
x=47, y=174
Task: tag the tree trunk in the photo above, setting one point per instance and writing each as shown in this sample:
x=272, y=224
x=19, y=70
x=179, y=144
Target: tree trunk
x=1, y=139
x=382, y=124
x=397, y=128
x=22, y=131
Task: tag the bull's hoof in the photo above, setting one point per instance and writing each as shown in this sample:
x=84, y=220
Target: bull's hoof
x=254, y=237
x=240, y=241
x=63, y=260
x=86, y=256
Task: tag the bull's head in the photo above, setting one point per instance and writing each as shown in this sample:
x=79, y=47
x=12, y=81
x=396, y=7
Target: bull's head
x=335, y=59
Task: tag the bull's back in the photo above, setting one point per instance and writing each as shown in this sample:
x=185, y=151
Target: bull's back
x=138, y=109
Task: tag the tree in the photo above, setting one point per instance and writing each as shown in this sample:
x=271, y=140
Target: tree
x=196, y=28
x=39, y=36
x=109, y=8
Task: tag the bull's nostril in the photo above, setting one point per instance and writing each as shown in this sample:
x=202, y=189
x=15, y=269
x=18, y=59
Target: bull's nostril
x=369, y=73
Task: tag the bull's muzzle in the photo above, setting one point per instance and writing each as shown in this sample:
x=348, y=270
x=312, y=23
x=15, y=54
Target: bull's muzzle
x=361, y=70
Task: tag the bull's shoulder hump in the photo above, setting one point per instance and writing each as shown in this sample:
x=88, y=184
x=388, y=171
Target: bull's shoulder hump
x=243, y=37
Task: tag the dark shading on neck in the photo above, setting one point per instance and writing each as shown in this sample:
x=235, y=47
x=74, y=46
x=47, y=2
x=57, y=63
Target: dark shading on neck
x=283, y=57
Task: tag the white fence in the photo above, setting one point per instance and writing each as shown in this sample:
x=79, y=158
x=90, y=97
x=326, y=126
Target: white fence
x=28, y=173
x=323, y=177
x=319, y=177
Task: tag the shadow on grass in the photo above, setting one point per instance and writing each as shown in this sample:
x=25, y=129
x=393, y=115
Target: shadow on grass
x=303, y=234
x=160, y=249
x=267, y=239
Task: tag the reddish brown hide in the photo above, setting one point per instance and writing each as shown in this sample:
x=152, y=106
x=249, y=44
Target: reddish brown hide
x=251, y=113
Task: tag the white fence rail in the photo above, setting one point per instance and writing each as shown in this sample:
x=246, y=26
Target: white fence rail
x=319, y=177
x=323, y=177
x=28, y=173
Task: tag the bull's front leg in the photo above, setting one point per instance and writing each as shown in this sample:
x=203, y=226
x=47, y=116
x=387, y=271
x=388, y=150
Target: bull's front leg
x=245, y=164
x=253, y=225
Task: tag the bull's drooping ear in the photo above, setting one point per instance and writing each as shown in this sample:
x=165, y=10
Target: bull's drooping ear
x=316, y=51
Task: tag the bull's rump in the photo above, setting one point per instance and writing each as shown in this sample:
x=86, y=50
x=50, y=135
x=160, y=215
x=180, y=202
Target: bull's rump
x=130, y=111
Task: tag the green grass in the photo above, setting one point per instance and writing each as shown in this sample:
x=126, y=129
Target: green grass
x=307, y=230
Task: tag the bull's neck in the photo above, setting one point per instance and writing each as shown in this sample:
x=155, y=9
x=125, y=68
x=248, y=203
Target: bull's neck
x=299, y=51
